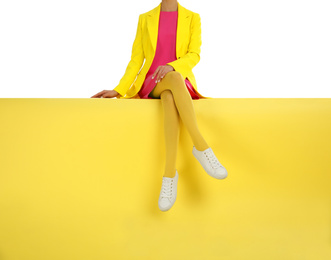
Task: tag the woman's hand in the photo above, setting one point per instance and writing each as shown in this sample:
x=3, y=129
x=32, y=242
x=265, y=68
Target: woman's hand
x=161, y=71
x=106, y=94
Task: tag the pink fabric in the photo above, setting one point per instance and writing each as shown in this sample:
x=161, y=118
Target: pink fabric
x=165, y=53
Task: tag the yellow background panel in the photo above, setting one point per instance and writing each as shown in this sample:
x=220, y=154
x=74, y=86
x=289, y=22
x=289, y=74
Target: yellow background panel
x=80, y=179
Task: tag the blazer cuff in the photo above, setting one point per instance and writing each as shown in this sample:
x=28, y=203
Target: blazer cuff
x=119, y=91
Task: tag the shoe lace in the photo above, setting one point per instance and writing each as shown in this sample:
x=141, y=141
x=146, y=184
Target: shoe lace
x=212, y=159
x=166, y=190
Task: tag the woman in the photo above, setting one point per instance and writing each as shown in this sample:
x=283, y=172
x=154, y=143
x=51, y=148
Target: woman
x=169, y=38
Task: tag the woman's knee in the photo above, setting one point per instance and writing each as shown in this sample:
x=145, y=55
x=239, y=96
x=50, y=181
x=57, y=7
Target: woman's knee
x=174, y=81
x=174, y=75
x=166, y=95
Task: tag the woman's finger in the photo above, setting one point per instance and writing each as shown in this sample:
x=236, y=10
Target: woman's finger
x=96, y=95
x=158, y=76
x=155, y=72
x=99, y=94
x=164, y=72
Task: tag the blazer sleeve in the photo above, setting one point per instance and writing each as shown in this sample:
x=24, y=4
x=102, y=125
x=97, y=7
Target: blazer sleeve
x=186, y=63
x=137, y=59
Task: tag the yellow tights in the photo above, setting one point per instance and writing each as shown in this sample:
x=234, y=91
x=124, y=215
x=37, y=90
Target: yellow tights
x=176, y=101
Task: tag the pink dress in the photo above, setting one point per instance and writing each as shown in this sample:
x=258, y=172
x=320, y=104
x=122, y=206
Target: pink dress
x=165, y=53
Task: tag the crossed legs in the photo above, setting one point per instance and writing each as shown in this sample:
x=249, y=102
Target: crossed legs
x=176, y=102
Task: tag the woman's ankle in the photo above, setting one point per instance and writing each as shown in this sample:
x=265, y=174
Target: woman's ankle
x=170, y=174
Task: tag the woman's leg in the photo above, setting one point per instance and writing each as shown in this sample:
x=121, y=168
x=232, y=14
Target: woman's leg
x=171, y=130
x=174, y=82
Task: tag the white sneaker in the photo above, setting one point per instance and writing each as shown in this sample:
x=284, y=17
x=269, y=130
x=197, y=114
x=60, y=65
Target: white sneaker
x=210, y=163
x=168, y=192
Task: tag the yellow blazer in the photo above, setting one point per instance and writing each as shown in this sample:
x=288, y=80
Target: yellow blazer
x=188, y=44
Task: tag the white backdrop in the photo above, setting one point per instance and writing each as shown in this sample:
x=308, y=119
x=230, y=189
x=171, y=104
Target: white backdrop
x=74, y=49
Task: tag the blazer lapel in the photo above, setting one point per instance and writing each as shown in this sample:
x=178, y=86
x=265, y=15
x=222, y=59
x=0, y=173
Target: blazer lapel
x=153, y=26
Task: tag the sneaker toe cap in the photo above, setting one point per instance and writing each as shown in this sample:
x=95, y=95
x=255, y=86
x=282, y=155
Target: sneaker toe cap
x=221, y=173
x=164, y=204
